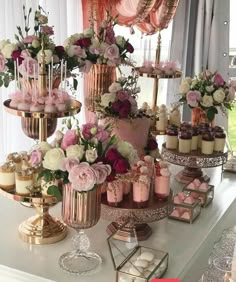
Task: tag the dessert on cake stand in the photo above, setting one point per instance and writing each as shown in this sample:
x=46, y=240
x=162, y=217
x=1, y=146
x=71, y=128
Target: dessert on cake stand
x=42, y=228
x=193, y=163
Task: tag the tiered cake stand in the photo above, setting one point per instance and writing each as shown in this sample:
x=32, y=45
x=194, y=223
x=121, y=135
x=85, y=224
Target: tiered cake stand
x=193, y=163
x=127, y=215
x=42, y=228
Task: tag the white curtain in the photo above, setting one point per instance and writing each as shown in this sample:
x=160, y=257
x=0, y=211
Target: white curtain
x=66, y=17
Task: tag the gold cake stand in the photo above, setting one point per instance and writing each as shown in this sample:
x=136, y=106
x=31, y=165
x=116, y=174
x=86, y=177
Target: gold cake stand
x=41, y=228
x=127, y=216
x=193, y=163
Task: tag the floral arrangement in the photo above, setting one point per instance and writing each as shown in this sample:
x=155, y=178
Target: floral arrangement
x=85, y=157
x=26, y=52
x=103, y=47
x=208, y=90
x=121, y=101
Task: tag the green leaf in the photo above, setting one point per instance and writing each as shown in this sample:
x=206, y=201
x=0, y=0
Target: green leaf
x=54, y=191
x=1, y=82
x=75, y=83
x=210, y=114
x=46, y=174
x=99, y=148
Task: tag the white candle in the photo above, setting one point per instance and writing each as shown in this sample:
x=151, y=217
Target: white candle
x=17, y=65
x=35, y=95
x=49, y=80
x=65, y=75
x=15, y=75
x=149, y=50
x=51, y=72
x=145, y=50
x=61, y=73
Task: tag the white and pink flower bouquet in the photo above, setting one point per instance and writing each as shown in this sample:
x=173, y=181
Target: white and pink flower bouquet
x=85, y=158
x=103, y=47
x=208, y=90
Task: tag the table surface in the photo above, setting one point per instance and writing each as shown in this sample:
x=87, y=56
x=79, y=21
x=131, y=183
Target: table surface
x=188, y=245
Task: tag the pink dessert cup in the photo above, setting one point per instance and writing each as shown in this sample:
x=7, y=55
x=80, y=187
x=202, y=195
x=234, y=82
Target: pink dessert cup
x=115, y=193
x=141, y=194
x=162, y=187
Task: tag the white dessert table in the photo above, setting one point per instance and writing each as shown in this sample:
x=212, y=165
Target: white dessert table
x=188, y=245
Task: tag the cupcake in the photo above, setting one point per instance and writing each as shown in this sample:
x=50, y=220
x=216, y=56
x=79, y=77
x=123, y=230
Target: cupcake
x=172, y=138
x=7, y=176
x=185, y=141
x=194, y=144
x=219, y=144
x=207, y=146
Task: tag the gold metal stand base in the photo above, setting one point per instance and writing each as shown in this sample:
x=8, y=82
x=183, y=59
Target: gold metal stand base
x=143, y=231
x=42, y=230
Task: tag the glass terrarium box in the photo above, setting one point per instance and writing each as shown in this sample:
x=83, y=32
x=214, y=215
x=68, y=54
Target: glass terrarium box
x=136, y=263
x=201, y=190
x=186, y=207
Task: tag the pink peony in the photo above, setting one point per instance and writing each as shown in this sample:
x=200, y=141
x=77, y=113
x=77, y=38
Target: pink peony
x=112, y=155
x=36, y=157
x=82, y=177
x=29, y=38
x=122, y=95
x=112, y=52
x=27, y=67
x=3, y=62
x=68, y=163
x=218, y=80
x=102, y=134
x=102, y=170
x=70, y=138
x=121, y=165
x=193, y=97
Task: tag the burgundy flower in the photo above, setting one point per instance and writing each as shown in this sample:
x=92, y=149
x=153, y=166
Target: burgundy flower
x=129, y=47
x=79, y=43
x=152, y=144
x=116, y=106
x=111, y=176
x=121, y=165
x=60, y=51
x=16, y=55
x=112, y=155
x=125, y=109
x=83, y=42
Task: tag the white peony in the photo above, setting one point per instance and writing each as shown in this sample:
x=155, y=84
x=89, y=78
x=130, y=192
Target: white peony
x=44, y=147
x=8, y=49
x=3, y=43
x=219, y=95
x=120, y=40
x=128, y=152
x=210, y=88
x=207, y=101
x=75, y=151
x=184, y=87
x=114, y=87
x=91, y=155
x=53, y=159
x=107, y=98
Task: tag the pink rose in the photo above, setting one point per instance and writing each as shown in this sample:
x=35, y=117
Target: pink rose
x=112, y=155
x=68, y=163
x=112, y=52
x=120, y=165
x=3, y=62
x=27, y=67
x=122, y=95
x=193, y=98
x=36, y=157
x=29, y=38
x=82, y=177
x=70, y=138
x=87, y=130
x=218, y=80
x=102, y=134
x=102, y=171
x=47, y=29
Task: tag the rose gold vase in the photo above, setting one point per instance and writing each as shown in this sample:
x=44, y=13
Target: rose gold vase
x=200, y=116
x=81, y=210
x=96, y=83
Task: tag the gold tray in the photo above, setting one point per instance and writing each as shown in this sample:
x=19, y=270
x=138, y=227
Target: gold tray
x=41, y=228
x=177, y=74
x=75, y=107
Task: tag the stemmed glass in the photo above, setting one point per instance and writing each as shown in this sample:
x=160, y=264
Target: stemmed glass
x=80, y=210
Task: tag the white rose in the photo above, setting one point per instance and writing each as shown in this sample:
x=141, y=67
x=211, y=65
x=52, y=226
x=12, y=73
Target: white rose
x=188, y=79
x=88, y=32
x=114, y=87
x=48, y=56
x=209, y=88
x=184, y=87
x=219, y=96
x=107, y=98
x=35, y=43
x=75, y=151
x=120, y=40
x=44, y=147
x=91, y=155
x=207, y=101
x=3, y=43
x=8, y=49
x=68, y=42
x=53, y=159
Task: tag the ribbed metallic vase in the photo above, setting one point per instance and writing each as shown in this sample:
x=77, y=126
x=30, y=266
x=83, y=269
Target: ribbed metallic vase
x=81, y=210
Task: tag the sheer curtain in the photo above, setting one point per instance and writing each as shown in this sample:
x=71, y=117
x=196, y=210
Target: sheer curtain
x=66, y=17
